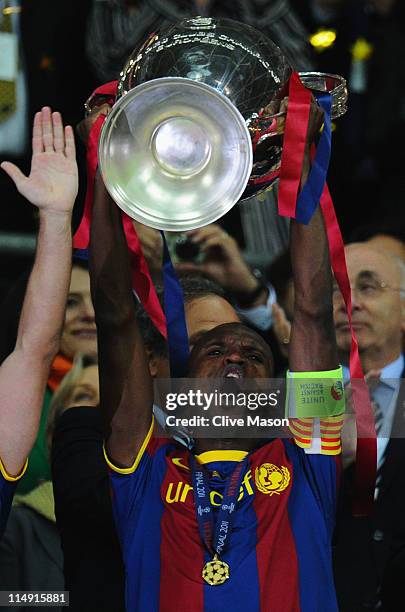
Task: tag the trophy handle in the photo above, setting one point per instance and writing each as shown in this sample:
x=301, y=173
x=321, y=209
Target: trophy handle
x=332, y=83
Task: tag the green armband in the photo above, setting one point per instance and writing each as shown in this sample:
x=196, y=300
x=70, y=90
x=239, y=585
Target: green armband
x=315, y=394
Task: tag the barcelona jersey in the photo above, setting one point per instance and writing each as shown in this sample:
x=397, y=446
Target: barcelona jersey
x=279, y=552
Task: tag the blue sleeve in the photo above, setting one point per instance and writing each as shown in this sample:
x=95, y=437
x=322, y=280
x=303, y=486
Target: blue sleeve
x=322, y=473
x=320, y=479
x=127, y=492
x=137, y=485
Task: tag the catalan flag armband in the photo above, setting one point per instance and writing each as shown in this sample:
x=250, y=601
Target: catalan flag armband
x=315, y=407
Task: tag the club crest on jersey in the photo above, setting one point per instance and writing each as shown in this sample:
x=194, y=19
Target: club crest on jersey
x=271, y=479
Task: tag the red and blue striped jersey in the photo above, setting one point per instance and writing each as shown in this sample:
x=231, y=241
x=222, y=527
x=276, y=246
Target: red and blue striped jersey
x=280, y=547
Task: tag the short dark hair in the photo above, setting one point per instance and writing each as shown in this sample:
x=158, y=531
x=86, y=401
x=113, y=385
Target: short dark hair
x=193, y=286
x=198, y=286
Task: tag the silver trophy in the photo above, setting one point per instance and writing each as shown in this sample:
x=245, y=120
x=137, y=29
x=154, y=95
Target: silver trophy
x=176, y=151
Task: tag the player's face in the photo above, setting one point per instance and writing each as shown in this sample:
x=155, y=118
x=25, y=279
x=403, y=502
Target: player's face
x=79, y=330
x=231, y=351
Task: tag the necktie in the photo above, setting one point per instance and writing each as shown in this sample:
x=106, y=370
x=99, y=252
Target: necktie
x=8, y=100
x=378, y=417
x=382, y=397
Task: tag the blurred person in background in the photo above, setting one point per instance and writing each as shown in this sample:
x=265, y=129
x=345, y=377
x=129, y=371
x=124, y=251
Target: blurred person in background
x=364, y=544
x=52, y=188
x=385, y=237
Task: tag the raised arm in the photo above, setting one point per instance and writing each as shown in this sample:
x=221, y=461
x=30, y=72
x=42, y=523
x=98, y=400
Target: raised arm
x=126, y=391
x=52, y=188
x=313, y=341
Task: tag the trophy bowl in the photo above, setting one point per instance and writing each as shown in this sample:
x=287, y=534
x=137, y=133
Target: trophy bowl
x=183, y=142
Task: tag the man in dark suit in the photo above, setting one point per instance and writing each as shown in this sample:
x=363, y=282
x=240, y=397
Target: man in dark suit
x=364, y=544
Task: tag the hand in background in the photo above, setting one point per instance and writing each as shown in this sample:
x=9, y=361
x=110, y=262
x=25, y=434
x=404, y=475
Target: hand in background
x=53, y=181
x=223, y=262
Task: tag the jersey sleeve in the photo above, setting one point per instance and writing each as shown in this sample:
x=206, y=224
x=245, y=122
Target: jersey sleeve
x=320, y=441
x=319, y=477
x=323, y=474
x=128, y=485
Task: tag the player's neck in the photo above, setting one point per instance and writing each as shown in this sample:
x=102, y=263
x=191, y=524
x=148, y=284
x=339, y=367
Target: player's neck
x=242, y=444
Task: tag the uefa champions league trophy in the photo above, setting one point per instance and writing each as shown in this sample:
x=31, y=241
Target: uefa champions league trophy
x=195, y=127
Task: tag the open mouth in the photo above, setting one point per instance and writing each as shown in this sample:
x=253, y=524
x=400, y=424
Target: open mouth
x=233, y=371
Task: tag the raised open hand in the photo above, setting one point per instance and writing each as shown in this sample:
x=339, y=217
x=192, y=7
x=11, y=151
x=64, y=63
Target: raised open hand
x=53, y=181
